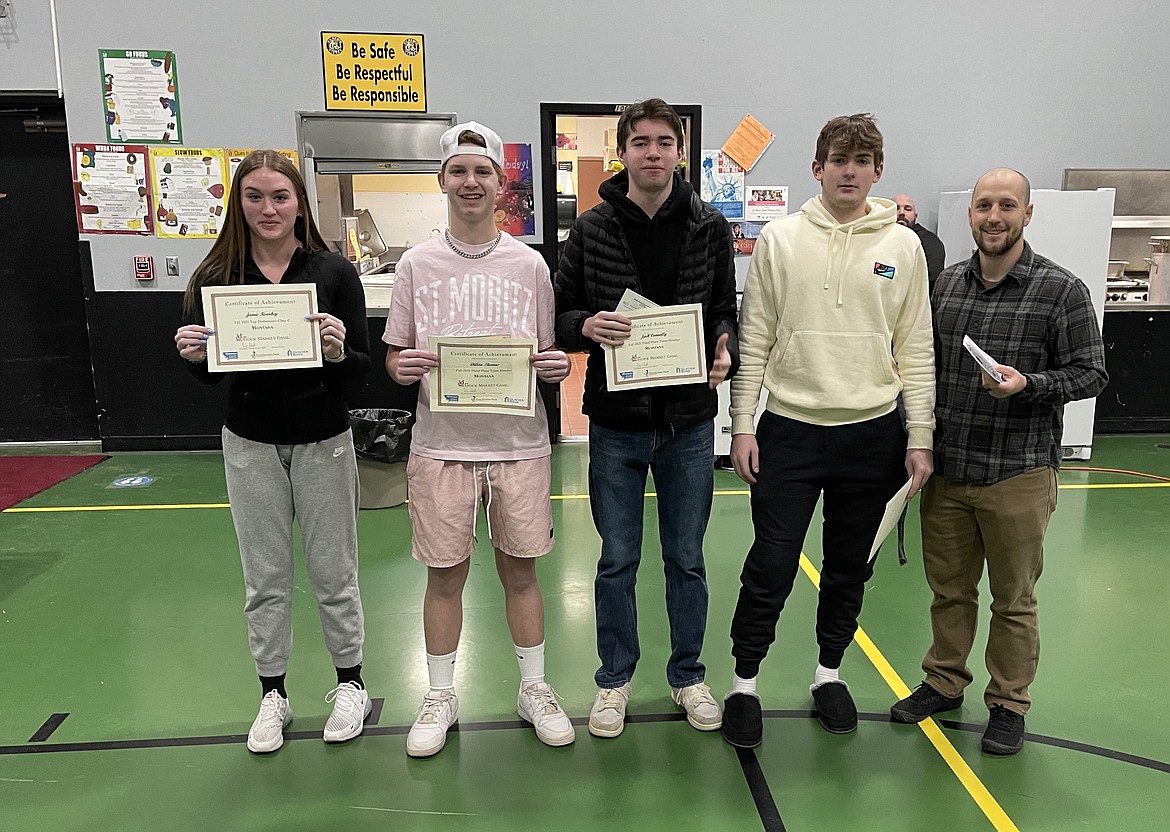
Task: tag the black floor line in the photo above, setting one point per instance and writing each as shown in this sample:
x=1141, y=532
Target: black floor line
x=51, y=724
x=393, y=730
x=761, y=794
x=375, y=711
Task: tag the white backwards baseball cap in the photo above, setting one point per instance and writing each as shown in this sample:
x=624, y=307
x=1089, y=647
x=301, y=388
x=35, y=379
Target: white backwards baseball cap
x=449, y=143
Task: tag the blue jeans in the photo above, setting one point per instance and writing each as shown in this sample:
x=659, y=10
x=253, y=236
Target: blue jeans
x=684, y=480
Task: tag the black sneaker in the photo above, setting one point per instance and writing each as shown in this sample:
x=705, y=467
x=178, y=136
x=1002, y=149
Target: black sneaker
x=1005, y=732
x=835, y=708
x=924, y=702
x=743, y=720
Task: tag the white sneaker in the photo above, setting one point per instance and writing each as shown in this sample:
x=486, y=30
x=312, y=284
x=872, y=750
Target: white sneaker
x=608, y=715
x=267, y=731
x=351, y=706
x=702, y=710
x=538, y=704
x=428, y=735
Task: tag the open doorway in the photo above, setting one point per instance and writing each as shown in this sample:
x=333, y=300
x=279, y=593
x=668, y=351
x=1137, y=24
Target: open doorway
x=578, y=151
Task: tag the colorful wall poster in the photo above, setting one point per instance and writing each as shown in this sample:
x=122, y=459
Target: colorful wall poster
x=721, y=183
x=236, y=155
x=514, y=203
x=188, y=188
x=109, y=187
x=748, y=141
x=373, y=72
x=140, y=88
x=744, y=234
x=766, y=202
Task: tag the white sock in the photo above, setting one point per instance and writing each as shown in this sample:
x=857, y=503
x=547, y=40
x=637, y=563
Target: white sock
x=441, y=671
x=825, y=674
x=739, y=685
x=531, y=663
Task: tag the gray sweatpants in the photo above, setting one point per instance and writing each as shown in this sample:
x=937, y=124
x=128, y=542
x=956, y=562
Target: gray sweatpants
x=269, y=485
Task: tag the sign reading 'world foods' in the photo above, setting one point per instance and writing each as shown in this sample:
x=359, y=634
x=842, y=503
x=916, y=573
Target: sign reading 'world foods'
x=373, y=72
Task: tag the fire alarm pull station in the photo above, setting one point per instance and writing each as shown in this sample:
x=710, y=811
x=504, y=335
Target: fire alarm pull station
x=144, y=267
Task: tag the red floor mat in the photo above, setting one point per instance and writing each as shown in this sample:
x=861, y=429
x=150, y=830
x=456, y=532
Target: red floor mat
x=23, y=476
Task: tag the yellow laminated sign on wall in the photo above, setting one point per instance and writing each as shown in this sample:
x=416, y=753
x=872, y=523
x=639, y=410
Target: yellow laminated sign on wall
x=365, y=71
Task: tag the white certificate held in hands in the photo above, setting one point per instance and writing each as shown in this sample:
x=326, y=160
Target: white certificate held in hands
x=484, y=374
x=890, y=517
x=665, y=347
x=985, y=361
x=259, y=327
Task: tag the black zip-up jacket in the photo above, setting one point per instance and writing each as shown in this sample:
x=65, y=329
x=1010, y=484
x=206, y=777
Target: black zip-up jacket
x=295, y=407
x=598, y=266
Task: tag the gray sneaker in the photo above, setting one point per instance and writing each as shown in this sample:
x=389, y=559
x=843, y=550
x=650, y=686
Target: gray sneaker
x=608, y=715
x=702, y=710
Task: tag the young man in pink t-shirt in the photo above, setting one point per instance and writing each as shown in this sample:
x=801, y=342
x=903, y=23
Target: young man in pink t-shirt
x=475, y=280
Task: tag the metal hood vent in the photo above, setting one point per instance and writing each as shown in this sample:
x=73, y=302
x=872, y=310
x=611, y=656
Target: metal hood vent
x=342, y=142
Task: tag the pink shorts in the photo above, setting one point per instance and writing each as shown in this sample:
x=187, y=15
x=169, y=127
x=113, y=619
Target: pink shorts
x=445, y=498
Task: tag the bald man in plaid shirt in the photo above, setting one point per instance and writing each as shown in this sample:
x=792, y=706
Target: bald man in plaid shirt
x=996, y=453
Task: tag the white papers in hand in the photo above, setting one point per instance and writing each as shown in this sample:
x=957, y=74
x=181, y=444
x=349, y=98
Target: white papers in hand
x=890, y=518
x=631, y=302
x=985, y=361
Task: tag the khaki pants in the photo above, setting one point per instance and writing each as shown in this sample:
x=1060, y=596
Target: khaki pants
x=964, y=526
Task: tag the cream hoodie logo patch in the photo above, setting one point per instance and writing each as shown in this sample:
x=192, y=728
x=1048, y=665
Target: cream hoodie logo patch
x=882, y=270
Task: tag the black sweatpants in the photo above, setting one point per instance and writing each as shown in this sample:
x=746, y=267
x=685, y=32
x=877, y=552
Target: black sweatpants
x=858, y=467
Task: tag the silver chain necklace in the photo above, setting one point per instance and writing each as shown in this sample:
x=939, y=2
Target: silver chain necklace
x=451, y=244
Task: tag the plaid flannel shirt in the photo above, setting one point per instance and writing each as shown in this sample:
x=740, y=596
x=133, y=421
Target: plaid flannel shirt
x=1039, y=319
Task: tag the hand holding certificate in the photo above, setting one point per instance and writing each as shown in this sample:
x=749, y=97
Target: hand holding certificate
x=985, y=361
x=259, y=327
x=489, y=374
x=894, y=509
x=665, y=347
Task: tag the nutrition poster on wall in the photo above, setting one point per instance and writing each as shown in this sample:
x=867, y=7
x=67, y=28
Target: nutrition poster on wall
x=188, y=188
x=140, y=88
x=109, y=187
x=236, y=155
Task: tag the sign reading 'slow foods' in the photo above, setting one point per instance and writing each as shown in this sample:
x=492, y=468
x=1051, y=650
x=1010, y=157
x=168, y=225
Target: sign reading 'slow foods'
x=373, y=72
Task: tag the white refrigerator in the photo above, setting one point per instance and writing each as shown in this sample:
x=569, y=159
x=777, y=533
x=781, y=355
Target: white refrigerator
x=1071, y=228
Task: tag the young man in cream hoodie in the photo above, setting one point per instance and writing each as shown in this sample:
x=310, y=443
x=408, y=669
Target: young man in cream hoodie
x=836, y=326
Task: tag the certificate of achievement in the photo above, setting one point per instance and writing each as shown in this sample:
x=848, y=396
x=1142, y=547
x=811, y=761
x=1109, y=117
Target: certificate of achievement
x=261, y=327
x=484, y=374
x=665, y=347
x=894, y=509
x=985, y=361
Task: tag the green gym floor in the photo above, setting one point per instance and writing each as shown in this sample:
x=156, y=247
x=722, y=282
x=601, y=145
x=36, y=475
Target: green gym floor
x=126, y=686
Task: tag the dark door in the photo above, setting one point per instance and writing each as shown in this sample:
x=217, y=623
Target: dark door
x=48, y=392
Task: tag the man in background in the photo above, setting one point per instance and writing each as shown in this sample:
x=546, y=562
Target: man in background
x=936, y=253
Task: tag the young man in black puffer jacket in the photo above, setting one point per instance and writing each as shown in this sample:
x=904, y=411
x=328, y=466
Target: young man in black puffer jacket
x=652, y=235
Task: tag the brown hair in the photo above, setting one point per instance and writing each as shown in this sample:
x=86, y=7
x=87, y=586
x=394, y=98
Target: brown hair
x=851, y=133
x=652, y=108
x=224, y=264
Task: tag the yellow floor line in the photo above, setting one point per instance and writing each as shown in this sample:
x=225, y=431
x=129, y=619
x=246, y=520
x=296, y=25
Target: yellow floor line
x=971, y=782
x=718, y=493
